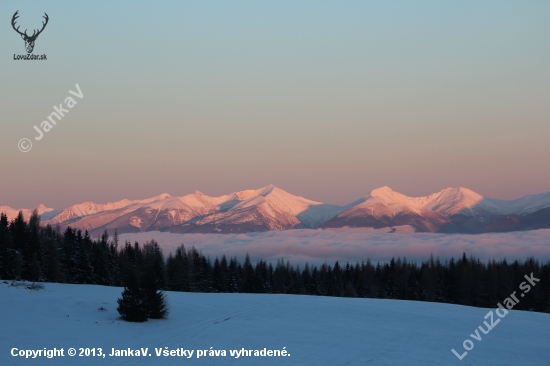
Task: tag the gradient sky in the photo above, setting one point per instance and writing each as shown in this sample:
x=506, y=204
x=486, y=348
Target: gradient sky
x=325, y=99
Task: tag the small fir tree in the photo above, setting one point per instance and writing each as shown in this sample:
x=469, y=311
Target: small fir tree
x=155, y=300
x=132, y=306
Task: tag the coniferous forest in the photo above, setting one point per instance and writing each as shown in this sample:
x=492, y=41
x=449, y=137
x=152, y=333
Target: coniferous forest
x=29, y=251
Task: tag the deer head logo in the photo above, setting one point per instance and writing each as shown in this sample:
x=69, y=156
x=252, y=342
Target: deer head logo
x=29, y=40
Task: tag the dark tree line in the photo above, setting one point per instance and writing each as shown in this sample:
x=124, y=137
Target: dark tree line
x=33, y=252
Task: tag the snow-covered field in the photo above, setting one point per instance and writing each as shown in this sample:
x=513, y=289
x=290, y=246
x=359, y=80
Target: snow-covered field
x=356, y=244
x=314, y=330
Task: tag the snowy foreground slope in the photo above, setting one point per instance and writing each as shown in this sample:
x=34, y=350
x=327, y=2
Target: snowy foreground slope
x=314, y=330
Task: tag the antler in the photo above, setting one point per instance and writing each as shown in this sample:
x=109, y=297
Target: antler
x=34, y=35
x=15, y=16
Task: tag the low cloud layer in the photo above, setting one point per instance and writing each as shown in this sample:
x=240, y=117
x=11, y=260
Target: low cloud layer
x=355, y=245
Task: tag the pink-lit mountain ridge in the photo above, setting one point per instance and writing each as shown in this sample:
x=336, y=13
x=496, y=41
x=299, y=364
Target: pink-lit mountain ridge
x=452, y=210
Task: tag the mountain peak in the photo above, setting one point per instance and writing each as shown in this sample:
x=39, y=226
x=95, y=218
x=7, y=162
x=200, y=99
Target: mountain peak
x=41, y=209
x=264, y=191
x=384, y=189
x=460, y=190
x=160, y=197
x=384, y=192
x=461, y=194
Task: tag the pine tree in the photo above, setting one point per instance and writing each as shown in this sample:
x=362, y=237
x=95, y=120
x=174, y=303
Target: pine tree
x=83, y=270
x=18, y=228
x=154, y=299
x=34, y=247
x=51, y=264
x=7, y=252
x=132, y=306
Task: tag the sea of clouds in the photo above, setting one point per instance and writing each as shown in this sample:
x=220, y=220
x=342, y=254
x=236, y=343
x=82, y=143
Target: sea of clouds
x=355, y=245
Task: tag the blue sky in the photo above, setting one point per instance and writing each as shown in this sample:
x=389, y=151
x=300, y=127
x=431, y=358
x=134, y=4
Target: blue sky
x=325, y=99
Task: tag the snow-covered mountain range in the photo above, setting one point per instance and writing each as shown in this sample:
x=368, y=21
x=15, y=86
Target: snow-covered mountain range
x=451, y=210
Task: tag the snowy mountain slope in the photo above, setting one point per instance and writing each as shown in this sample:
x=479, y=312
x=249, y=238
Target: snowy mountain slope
x=42, y=210
x=155, y=213
x=532, y=221
x=268, y=208
x=87, y=208
x=316, y=215
x=447, y=202
x=524, y=205
x=383, y=207
x=453, y=201
x=450, y=210
x=314, y=330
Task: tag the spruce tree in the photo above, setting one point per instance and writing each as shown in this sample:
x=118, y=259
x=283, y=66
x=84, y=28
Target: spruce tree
x=154, y=299
x=34, y=247
x=132, y=306
x=7, y=252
